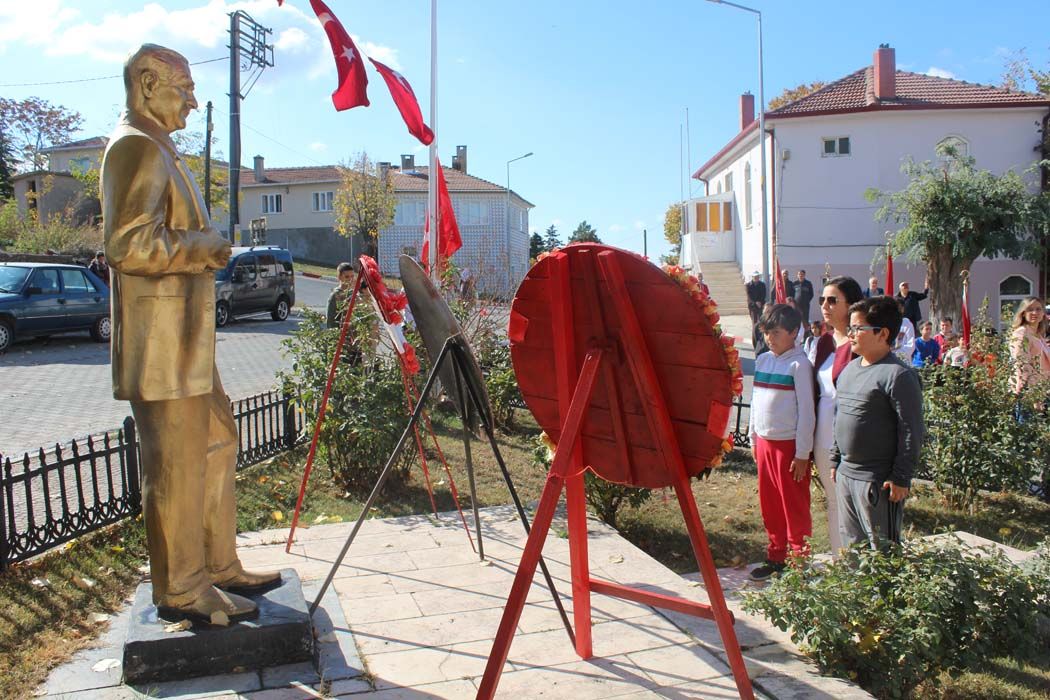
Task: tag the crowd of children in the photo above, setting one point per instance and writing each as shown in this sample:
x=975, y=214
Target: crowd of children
x=858, y=416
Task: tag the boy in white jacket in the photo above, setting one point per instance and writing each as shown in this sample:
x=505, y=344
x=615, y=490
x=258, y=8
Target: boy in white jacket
x=782, y=425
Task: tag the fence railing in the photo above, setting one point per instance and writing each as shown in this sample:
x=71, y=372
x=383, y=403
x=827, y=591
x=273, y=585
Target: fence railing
x=56, y=495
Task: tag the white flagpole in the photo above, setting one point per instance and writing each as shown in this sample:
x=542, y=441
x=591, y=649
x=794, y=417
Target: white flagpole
x=432, y=198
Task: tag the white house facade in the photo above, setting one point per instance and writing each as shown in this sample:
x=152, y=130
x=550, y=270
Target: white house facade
x=297, y=204
x=826, y=149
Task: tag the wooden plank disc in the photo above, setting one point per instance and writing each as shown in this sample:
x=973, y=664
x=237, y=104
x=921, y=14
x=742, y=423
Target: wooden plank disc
x=687, y=354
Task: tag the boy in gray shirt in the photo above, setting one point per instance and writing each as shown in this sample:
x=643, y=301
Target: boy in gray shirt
x=878, y=428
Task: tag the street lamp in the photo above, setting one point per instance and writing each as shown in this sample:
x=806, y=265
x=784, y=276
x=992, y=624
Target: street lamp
x=507, y=208
x=761, y=137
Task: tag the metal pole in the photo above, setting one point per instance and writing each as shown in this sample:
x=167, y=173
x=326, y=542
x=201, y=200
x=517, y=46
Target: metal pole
x=766, y=244
x=645, y=243
x=235, y=123
x=207, y=158
x=432, y=212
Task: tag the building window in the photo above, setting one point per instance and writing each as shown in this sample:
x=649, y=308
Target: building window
x=271, y=204
x=79, y=166
x=1012, y=292
x=714, y=217
x=473, y=214
x=837, y=146
x=410, y=250
x=747, y=195
x=729, y=182
x=718, y=188
x=958, y=145
x=410, y=213
x=322, y=201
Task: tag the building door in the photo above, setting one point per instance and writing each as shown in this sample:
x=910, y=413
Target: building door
x=711, y=229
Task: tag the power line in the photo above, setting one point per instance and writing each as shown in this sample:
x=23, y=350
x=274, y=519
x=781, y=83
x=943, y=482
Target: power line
x=282, y=145
x=102, y=77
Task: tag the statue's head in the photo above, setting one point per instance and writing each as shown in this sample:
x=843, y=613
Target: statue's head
x=159, y=86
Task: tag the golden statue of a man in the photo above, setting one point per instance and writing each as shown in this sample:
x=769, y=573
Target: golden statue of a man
x=163, y=252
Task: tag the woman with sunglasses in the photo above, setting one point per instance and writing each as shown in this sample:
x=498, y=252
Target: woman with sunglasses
x=830, y=355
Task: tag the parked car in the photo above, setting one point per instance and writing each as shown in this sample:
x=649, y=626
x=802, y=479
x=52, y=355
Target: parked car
x=257, y=279
x=41, y=299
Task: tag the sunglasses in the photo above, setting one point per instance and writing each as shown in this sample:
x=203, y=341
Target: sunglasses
x=854, y=330
x=831, y=301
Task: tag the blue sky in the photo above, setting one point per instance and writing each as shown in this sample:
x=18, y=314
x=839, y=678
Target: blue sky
x=597, y=90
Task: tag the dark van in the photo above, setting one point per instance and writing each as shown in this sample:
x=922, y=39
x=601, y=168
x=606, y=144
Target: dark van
x=257, y=279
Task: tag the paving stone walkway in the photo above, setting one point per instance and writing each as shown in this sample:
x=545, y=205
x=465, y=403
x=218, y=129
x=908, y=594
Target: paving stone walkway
x=422, y=611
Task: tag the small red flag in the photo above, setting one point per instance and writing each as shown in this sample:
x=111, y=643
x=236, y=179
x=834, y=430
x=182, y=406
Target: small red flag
x=889, y=273
x=406, y=102
x=966, y=312
x=778, y=285
x=353, y=83
x=449, y=240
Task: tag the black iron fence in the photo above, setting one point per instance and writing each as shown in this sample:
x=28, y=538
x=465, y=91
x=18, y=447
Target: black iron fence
x=58, y=494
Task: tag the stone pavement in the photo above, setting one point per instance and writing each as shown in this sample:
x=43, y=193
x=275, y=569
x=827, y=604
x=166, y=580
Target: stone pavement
x=422, y=611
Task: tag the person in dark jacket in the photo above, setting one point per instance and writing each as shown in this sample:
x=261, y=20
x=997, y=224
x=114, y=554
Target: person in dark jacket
x=873, y=290
x=756, y=296
x=802, y=292
x=100, y=267
x=909, y=300
x=789, y=288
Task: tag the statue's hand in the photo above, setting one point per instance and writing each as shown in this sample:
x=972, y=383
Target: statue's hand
x=220, y=253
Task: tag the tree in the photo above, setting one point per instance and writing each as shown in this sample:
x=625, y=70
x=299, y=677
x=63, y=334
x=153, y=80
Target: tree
x=35, y=124
x=951, y=213
x=796, y=93
x=673, y=225
x=550, y=239
x=7, y=189
x=364, y=202
x=1020, y=74
x=584, y=233
x=191, y=145
x=535, y=245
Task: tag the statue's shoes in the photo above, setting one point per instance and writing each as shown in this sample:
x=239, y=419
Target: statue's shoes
x=211, y=601
x=243, y=581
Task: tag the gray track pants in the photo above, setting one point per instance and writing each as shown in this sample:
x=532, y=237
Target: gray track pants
x=866, y=514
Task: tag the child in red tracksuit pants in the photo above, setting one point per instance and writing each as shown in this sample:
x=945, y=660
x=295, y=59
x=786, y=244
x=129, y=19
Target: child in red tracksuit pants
x=782, y=426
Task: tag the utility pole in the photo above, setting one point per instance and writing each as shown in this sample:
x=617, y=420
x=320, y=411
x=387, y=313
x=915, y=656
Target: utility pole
x=207, y=157
x=645, y=243
x=248, y=50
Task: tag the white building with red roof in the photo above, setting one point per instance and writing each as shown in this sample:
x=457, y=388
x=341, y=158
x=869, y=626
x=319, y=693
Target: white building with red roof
x=298, y=206
x=825, y=149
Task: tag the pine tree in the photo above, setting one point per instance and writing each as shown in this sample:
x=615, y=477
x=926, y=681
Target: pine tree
x=584, y=233
x=551, y=240
x=535, y=245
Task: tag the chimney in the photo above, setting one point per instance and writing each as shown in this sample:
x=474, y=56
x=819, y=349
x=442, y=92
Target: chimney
x=885, y=73
x=408, y=162
x=260, y=169
x=384, y=169
x=459, y=161
x=747, y=110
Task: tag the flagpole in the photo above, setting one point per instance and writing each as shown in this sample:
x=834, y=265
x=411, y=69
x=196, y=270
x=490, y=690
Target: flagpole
x=432, y=178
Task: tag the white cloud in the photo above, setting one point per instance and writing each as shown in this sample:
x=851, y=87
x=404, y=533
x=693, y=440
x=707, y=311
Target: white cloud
x=556, y=222
x=61, y=30
x=940, y=73
x=615, y=228
x=318, y=147
x=639, y=225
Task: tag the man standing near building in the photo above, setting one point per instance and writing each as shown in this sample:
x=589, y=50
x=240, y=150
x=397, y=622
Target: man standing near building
x=789, y=288
x=803, y=295
x=164, y=251
x=873, y=290
x=909, y=301
x=756, y=296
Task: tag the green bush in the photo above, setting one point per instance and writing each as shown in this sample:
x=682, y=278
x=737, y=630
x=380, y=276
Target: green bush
x=604, y=497
x=366, y=411
x=889, y=620
x=973, y=437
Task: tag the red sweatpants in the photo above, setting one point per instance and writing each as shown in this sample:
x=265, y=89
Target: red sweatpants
x=784, y=501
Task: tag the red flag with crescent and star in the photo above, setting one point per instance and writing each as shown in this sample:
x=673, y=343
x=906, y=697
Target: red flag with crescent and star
x=449, y=240
x=353, y=83
x=406, y=102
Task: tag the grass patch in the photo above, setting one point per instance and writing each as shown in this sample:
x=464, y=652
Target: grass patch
x=1002, y=678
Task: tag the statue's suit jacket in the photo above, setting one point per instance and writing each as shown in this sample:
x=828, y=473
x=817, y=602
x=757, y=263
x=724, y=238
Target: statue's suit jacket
x=159, y=242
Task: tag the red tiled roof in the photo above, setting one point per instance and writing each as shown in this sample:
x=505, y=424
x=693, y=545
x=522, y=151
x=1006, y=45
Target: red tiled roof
x=407, y=181
x=856, y=92
x=93, y=142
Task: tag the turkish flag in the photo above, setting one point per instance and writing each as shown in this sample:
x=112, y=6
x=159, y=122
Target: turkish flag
x=449, y=240
x=889, y=273
x=966, y=326
x=406, y=102
x=353, y=83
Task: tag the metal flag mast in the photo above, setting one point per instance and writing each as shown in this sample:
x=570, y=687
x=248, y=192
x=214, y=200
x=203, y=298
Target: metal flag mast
x=432, y=210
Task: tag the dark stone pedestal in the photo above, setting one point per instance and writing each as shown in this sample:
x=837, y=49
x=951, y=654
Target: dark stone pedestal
x=281, y=634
